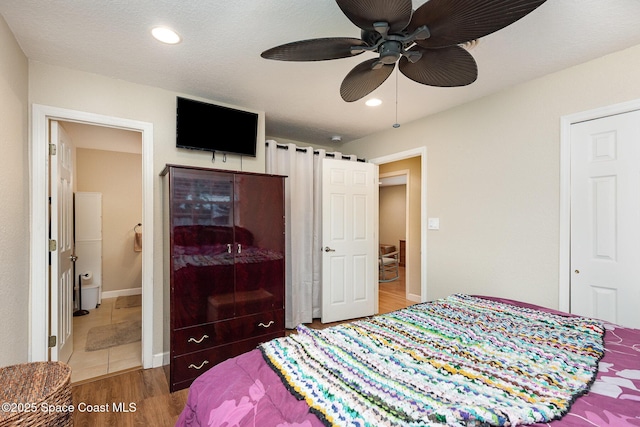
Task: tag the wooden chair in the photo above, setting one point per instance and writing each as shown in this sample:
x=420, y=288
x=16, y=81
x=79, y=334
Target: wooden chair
x=388, y=264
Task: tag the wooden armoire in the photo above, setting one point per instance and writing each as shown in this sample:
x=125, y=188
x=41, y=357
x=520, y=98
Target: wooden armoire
x=224, y=257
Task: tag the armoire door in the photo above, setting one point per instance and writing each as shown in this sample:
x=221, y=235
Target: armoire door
x=259, y=243
x=201, y=222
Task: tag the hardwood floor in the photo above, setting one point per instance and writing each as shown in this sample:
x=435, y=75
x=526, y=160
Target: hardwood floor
x=392, y=295
x=144, y=394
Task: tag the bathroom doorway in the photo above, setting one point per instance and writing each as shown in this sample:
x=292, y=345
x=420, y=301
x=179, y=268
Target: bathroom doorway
x=44, y=307
x=108, y=179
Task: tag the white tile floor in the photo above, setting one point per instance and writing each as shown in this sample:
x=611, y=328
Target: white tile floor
x=91, y=364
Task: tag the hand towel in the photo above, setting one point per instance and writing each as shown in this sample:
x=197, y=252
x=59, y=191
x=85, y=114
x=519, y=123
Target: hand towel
x=137, y=242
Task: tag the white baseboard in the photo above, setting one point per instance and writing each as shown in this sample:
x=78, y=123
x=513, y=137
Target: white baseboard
x=122, y=293
x=160, y=359
x=414, y=297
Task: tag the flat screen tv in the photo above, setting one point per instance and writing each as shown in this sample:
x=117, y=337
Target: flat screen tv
x=210, y=127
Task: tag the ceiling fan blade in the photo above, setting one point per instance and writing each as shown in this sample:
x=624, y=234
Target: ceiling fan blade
x=363, y=13
x=453, y=22
x=446, y=67
x=363, y=80
x=314, y=49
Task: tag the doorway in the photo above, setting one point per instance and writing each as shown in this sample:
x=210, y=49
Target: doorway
x=108, y=198
x=416, y=236
x=41, y=309
x=393, y=231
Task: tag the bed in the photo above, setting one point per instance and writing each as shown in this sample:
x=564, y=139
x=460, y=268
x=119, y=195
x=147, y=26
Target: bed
x=582, y=372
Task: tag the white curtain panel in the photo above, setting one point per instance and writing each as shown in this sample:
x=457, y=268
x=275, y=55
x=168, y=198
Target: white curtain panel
x=317, y=233
x=303, y=210
x=297, y=165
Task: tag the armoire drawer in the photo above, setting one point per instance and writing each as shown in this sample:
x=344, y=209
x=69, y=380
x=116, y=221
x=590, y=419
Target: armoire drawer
x=190, y=366
x=209, y=335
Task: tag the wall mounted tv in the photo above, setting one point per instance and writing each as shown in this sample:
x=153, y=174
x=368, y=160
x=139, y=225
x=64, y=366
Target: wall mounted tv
x=210, y=127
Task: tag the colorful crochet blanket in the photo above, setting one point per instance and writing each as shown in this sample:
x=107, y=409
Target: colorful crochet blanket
x=459, y=361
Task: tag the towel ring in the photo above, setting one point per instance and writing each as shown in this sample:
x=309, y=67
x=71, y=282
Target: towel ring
x=135, y=229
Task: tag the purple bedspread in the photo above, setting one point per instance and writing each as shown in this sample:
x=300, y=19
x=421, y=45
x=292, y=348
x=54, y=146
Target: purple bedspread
x=245, y=391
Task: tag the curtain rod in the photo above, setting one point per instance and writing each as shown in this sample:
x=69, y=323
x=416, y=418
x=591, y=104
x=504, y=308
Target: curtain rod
x=304, y=150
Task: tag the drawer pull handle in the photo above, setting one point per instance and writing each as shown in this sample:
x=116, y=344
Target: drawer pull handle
x=267, y=325
x=198, y=341
x=198, y=367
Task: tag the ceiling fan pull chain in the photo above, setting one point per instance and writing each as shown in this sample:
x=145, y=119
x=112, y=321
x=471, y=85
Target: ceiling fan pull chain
x=396, y=124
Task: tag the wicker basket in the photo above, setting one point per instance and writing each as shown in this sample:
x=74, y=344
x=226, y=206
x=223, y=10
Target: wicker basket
x=36, y=394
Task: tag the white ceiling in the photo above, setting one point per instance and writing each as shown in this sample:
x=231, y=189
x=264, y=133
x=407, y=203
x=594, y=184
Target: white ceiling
x=219, y=57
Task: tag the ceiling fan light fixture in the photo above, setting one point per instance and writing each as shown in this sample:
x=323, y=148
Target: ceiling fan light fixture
x=390, y=51
x=165, y=35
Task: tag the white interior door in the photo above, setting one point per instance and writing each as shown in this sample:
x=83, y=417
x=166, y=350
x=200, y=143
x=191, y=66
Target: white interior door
x=605, y=218
x=62, y=280
x=350, y=240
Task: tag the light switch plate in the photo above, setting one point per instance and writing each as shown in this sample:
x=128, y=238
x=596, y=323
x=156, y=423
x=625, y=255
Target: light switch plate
x=434, y=223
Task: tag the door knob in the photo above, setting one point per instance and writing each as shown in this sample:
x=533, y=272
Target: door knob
x=328, y=249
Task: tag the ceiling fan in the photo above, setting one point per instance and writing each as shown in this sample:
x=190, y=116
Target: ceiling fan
x=425, y=42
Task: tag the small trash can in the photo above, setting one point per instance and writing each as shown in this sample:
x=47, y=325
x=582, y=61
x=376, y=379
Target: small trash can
x=90, y=296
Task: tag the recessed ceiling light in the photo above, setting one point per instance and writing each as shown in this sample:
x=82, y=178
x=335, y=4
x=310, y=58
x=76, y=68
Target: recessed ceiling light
x=373, y=102
x=165, y=35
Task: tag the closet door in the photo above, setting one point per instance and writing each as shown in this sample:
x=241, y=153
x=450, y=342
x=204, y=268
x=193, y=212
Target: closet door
x=202, y=257
x=259, y=243
x=605, y=218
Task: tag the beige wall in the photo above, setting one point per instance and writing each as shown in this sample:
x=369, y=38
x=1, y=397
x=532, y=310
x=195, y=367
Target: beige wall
x=493, y=178
x=118, y=176
x=76, y=90
x=392, y=202
x=413, y=267
x=14, y=188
